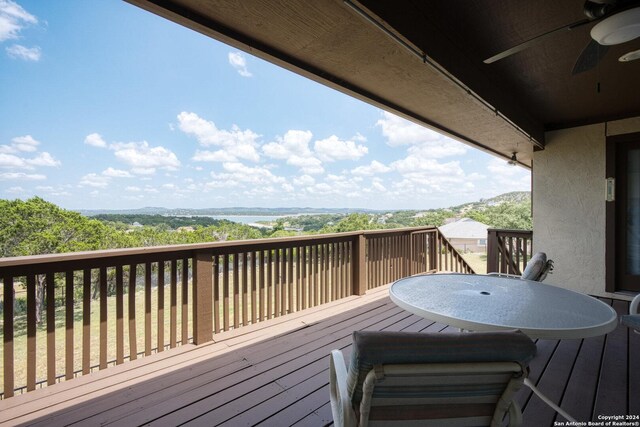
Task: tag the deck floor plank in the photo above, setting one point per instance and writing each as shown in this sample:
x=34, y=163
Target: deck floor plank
x=612, y=385
x=275, y=373
x=581, y=389
x=551, y=384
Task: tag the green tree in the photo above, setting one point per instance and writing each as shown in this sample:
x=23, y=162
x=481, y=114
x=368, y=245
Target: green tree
x=516, y=216
x=35, y=227
x=352, y=222
x=435, y=218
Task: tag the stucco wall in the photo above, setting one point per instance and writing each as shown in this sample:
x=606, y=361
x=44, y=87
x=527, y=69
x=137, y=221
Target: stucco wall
x=569, y=205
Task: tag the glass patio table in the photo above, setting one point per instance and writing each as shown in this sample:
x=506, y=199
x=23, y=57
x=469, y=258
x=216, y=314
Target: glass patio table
x=489, y=303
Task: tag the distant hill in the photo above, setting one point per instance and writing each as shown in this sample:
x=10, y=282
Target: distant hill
x=251, y=211
x=513, y=197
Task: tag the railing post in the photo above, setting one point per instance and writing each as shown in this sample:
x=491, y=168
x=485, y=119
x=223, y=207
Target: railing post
x=359, y=266
x=492, y=251
x=202, y=297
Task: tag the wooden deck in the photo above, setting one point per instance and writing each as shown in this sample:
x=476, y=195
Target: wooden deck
x=276, y=374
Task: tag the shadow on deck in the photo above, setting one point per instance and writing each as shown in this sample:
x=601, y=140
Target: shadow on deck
x=276, y=374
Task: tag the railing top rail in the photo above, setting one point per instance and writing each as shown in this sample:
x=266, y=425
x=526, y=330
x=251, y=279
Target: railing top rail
x=510, y=231
x=187, y=249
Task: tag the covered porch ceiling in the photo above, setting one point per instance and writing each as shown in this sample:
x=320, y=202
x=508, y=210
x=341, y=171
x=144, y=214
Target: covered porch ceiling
x=424, y=60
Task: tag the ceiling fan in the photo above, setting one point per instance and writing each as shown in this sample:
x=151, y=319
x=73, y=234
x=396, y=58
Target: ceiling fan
x=618, y=21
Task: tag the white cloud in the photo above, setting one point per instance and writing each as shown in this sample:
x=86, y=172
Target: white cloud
x=238, y=61
x=304, y=181
x=294, y=148
x=143, y=171
x=506, y=177
x=307, y=165
x=15, y=190
x=145, y=159
x=375, y=167
x=11, y=161
x=116, y=173
x=237, y=143
x=17, y=51
x=236, y=174
x=333, y=148
x=288, y=187
x=377, y=186
x=94, y=180
x=294, y=142
x=132, y=189
x=95, y=139
x=13, y=18
x=21, y=176
x=25, y=143
x=43, y=159
x=214, y=156
x=423, y=141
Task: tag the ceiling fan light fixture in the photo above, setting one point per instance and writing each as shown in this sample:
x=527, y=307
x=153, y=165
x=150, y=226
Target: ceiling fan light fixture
x=619, y=28
x=513, y=161
x=630, y=56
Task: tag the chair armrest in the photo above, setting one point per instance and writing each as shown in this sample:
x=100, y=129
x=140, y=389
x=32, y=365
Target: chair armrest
x=634, y=307
x=341, y=409
x=515, y=414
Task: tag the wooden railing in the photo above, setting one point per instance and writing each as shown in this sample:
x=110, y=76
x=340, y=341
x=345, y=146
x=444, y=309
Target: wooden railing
x=146, y=300
x=508, y=251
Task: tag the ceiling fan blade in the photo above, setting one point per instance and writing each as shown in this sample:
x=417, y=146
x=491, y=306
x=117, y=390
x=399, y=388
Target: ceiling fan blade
x=589, y=58
x=524, y=45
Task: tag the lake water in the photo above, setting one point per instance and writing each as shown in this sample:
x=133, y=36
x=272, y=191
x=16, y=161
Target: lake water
x=244, y=219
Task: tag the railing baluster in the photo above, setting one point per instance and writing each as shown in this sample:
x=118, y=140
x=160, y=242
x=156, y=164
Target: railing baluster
x=86, y=321
x=7, y=337
x=147, y=309
x=103, y=318
x=31, y=332
x=69, y=320
x=225, y=292
x=245, y=290
x=216, y=293
x=236, y=290
x=119, y=315
x=261, y=293
x=284, y=306
x=269, y=288
x=290, y=281
x=277, y=283
x=160, y=319
x=133, y=336
x=304, y=278
x=185, y=302
x=254, y=287
x=51, y=329
x=174, y=302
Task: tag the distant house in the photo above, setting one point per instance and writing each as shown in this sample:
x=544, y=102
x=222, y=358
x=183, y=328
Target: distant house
x=466, y=235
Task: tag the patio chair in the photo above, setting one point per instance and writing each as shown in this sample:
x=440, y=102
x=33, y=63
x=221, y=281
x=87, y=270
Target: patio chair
x=632, y=320
x=401, y=378
x=536, y=269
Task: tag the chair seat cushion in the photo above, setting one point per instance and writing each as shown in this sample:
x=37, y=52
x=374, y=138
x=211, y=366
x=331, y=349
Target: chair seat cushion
x=379, y=348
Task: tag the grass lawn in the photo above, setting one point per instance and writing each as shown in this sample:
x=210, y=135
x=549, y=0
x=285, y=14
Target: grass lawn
x=477, y=261
x=20, y=334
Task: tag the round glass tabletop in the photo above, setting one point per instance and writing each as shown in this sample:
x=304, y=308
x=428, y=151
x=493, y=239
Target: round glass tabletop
x=485, y=303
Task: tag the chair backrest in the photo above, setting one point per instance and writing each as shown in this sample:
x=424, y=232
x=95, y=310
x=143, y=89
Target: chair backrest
x=632, y=320
x=466, y=378
x=538, y=267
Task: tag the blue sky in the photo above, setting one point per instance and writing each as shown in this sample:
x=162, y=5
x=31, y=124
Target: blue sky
x=104, y=105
